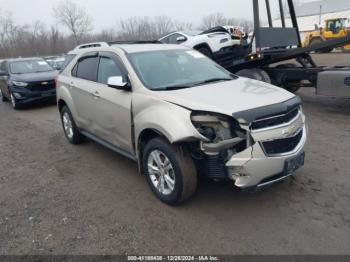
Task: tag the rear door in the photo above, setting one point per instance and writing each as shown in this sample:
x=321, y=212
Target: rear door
x=83, y=85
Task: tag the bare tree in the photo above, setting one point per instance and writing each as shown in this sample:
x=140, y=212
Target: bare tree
x=37, y=39
x=182, y=26
x=219, y=19
x=74, y=18
x=163, y=25
x=213, y=20
x=54, y=37
x=144, y=28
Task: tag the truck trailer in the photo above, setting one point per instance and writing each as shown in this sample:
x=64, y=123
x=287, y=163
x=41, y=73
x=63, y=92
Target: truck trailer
x=276, y=55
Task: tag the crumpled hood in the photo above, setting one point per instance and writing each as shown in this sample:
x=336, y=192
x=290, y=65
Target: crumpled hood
x=228, y=97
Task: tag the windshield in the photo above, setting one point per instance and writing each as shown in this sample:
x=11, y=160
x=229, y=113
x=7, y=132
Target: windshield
x=30, y=66
x=176, y=69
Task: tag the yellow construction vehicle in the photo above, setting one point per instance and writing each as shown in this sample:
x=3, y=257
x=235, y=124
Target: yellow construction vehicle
x=334, y=29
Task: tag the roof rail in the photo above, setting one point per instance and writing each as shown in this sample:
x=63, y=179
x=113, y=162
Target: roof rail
x=105, y=44
x=92, y=45
x=131, y=42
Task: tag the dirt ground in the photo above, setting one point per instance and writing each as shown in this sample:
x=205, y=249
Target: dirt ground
x=56, y=198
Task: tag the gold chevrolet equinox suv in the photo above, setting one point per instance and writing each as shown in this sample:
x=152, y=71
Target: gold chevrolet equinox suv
x=180, y=115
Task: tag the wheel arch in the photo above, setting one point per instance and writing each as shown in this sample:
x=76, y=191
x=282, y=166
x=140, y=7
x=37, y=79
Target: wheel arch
x=316, y=38
x=203, y=45
x=64, y=98
x=61, y=103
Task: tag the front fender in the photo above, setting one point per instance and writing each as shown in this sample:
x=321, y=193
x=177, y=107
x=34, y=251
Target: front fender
x=172, y=121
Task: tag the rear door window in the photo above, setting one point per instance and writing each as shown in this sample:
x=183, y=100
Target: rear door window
x=87, y=68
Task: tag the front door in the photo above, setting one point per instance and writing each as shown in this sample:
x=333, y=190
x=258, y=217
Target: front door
x=112, y=107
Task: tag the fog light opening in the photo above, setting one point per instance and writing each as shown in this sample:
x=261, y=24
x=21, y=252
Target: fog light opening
x=235, y=176
x=17, y=95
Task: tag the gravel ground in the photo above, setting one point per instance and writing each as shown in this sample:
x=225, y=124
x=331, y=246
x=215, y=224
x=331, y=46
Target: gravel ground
x=61, y=199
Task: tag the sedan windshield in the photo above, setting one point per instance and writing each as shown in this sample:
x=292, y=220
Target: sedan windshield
x=176, y=69
x=30, y=66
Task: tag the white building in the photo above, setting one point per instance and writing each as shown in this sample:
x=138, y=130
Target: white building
x=317, y=12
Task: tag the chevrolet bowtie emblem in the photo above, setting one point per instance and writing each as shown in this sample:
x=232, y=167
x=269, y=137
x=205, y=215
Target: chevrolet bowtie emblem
x=289, y=131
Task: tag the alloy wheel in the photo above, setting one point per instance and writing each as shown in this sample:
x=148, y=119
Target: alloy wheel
x=161, y=172
x=68, y=125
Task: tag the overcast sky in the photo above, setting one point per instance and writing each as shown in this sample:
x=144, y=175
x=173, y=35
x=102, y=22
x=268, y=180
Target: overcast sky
x=106, y=13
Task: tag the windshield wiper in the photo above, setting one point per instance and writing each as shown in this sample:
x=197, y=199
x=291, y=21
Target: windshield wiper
x=212, y=80
x=43, y=71
x=170, y=88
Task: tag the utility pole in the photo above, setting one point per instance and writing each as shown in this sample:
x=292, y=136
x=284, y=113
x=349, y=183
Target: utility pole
x=320, y=20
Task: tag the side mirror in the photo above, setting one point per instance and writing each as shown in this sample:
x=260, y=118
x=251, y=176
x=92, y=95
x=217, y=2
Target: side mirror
x=181, y=39
x=117, y=82
x=3, y=73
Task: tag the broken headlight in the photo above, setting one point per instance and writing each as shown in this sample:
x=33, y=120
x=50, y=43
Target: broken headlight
x=214, y=127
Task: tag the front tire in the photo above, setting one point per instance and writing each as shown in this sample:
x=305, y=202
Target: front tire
x=323, y=51
x=170, y=171
x=70, y=129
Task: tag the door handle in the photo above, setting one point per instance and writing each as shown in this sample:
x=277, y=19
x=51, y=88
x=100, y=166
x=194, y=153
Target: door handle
x=96, y=95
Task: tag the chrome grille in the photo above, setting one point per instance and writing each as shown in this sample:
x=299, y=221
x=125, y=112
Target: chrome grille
x=282, y=146
x=42, y=85
x=269, y=122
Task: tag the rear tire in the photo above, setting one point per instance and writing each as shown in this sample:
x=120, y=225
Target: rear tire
x=290, y=87
x=169, y=170
x=205, y=51
x=256, y=74
x=345, y=50
x=70, y=129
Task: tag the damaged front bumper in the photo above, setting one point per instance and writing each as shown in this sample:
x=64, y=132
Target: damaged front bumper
x=254, y=168
x=271, y=154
